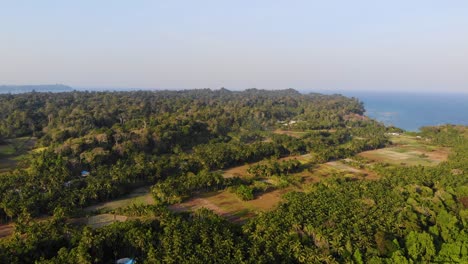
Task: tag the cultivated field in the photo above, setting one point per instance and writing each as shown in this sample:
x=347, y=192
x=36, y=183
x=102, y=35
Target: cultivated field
x=408, y=151
x=351, y=172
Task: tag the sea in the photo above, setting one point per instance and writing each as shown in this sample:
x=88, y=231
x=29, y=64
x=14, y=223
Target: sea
x=410, y=111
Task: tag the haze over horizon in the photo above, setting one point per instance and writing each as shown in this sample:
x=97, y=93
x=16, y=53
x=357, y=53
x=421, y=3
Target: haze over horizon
x=307, y=45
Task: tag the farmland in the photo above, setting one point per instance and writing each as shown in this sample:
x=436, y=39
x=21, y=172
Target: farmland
x=404, y=150
x=408, y=151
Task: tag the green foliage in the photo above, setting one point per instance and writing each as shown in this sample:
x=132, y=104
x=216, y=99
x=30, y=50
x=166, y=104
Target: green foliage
x=420, y=246
x=244, y=192
x=269, y=168
x=173, y=141
x=174, y=190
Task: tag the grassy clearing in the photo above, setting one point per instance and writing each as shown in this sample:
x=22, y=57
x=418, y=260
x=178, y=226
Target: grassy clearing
x=139, y=196
x=13, y=151
x=7, y=164
x=97, y=221
x=299, y=134
x=408, y=151
x=296, y=134
x=351, y=172
x=7, y=150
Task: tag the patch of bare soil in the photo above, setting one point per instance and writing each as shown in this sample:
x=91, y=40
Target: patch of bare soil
x=269, y=200
x=439, y=155
x=196, y=203
x=6, y=230
x=360, y=173
x=296, y=134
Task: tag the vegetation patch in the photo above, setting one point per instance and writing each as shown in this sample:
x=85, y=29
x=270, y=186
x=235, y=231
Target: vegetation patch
x=313, y=209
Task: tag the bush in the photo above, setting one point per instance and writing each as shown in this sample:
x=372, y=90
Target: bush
x=244, y=192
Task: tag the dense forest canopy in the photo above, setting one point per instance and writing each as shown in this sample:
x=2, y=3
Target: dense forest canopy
x=91, y=147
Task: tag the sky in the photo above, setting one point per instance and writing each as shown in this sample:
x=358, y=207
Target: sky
x=398, y=45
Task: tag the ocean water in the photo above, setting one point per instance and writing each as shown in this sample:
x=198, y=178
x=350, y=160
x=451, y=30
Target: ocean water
x=411, y=111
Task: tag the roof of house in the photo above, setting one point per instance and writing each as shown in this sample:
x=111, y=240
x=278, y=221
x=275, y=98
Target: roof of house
x=125, y=261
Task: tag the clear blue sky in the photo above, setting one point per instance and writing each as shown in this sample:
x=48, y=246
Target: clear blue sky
x=412, y=45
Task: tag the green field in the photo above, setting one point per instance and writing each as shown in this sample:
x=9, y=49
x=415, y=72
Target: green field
x=13, y=151
x=408, y=151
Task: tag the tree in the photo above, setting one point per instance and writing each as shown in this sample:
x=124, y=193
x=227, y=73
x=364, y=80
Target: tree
x=420, y=246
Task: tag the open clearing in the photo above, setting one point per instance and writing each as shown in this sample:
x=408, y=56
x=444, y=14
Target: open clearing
x=408, y=151
x=141, y=195
x=296, y=134
x=351, y=172
x=228, y=205
x=97, y=221
x=299, y=134
x=13, y=150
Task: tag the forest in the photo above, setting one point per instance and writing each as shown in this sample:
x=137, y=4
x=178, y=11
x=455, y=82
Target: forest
x=85, y=148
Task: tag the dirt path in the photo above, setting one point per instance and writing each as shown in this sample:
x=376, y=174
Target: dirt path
x=196, y=203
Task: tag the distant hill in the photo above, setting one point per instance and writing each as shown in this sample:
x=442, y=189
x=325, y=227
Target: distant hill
x=15, y=89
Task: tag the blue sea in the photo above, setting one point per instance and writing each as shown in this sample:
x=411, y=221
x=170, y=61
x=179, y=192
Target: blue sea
x=411, y=111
